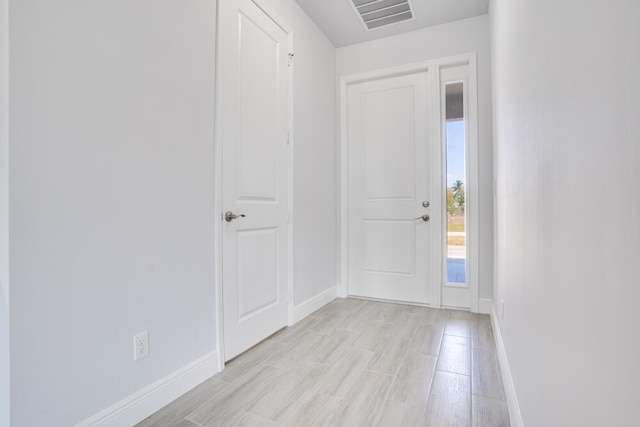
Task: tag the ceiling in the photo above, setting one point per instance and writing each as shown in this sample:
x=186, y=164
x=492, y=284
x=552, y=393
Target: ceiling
x=338, y=19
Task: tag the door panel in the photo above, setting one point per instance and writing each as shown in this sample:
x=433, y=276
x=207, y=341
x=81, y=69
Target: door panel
x=388, y=247
x=388, y=143
x=389, y=178
x=257, y=271
x=257, y=153
x=254, y=119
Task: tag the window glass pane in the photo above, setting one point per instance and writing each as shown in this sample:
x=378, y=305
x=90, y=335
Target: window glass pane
x=455, y=190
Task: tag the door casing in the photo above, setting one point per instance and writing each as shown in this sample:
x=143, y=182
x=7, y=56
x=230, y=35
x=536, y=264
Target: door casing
x=433, y=67
x=218, y=184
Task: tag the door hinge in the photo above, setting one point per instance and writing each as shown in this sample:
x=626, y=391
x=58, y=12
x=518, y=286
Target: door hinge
x=288, y=138
x=290, y=60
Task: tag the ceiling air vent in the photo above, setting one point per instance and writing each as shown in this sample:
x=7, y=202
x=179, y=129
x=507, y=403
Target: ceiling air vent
x=380, y=13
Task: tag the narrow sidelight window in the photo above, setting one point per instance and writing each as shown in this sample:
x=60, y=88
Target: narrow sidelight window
x=456, y=218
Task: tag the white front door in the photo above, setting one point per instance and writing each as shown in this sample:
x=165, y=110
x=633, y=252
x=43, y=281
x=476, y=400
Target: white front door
x=391, y=199
x=254, y=116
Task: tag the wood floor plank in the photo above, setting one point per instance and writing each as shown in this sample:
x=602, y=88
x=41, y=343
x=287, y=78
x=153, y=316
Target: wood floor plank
x=296, y=351
x=394, y=414
x=356, y=362
x=331, y=323
x=414, y=310
x=344, y=373
x=388, y=355
x=229, y=406
x=427, y=339
x=406, y=325
x=334, y=307
x=349, y=304
x=413, y=381
x=292, y=333
x=455, y=355
x=332, y=347
x=434, y=316
x=176, y=411
x=389, y=312
x=182, y=423
x=248, y=360
x=360, y=405
x=373, y=336
x=487, y=380
x=450, y=401
x=458, y=323
x=309, y=409
x=252, y=420
x=336, y=311
x=488, y=412
x=359, y=318
x=482, y=332
x=300, y=378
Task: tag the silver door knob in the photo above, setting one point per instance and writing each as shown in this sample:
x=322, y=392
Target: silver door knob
x=424, y=217
x=425, y=204
x=230, y=216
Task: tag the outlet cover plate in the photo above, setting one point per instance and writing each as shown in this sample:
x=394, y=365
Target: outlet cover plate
x=141, y=345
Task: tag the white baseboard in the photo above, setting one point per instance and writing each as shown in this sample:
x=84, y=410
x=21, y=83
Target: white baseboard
x=312, y=304
x=145, y=402
x=512, y=400
x=484, y=306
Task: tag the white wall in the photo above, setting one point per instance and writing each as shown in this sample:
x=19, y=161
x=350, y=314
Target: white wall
x=112, y=192
x=4, y=214
x=567, y=207
x=111, y=199
x=468, y=35
x=315, y=164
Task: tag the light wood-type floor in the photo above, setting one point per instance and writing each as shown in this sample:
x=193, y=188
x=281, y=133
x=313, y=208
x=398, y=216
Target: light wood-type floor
x=357, y=363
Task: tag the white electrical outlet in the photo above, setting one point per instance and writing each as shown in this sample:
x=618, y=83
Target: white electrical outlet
x=141, y=345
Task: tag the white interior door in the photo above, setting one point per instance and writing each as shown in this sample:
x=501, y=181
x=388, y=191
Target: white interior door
x=390, y=189
x=255, y=119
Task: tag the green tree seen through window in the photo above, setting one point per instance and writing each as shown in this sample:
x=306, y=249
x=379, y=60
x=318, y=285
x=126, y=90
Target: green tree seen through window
x=457, y=192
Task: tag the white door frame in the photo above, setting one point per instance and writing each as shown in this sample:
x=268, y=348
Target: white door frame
x=433, y=68
x=218, y=188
